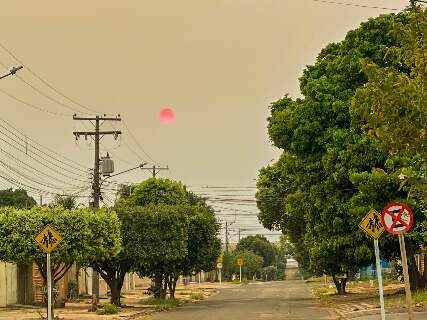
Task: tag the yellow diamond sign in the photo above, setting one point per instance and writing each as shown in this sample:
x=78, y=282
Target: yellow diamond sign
x=220, y=259
x=372, y=225
x=240, y=262
x=48, y=239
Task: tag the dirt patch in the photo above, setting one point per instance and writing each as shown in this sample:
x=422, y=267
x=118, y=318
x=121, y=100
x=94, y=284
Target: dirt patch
x=364, y=296
x=133, y=305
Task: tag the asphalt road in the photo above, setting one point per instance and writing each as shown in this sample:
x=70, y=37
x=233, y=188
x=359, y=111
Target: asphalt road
x=289, y=300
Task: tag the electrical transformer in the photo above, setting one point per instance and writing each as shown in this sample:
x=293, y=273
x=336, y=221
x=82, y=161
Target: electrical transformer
x=107, y=165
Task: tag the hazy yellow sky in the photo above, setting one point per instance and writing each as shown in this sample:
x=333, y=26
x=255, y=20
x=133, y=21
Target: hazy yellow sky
x=218, y=64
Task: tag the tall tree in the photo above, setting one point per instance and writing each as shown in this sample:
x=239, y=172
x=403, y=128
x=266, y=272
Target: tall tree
x=162, y=204
x=393, y=104
x=392, y=108
x=17, y=198
x=154, y=241
x=259, y=245
x=307, y=193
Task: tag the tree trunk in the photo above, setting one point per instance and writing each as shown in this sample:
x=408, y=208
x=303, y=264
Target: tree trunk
x=416, y=279
x=165, y=287
x=425, y=269
x=116, y=290
x=340, y=284
x=115, y=283
x=158, y=286
x=172, y=280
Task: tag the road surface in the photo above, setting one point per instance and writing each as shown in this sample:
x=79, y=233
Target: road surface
x=289, y=300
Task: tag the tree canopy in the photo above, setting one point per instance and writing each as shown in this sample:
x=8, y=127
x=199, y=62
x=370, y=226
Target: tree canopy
x=308, y=193
x=167, y=231
x=17, y=198
x=259, y=245
x=88, y=236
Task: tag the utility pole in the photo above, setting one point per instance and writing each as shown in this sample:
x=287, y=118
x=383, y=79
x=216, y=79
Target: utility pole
x=226, y=236
x=155, y=169
x=98, y=135
x=239, y=234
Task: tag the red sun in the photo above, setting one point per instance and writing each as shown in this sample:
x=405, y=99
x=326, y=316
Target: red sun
x=167, y=116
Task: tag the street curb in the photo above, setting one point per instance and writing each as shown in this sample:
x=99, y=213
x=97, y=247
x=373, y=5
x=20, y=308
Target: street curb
x=362, y=313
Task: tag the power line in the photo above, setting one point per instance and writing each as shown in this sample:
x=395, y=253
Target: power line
x=34, y=169
x=137, y=143
x=52, y=152
x=46, y=82
x=41, y=92
x=33, y=105
x=355, y=5
x=44, y=159
x=28, y=178
x=36, y=190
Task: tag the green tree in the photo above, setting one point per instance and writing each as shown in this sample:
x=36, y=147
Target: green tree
x=259, y=245
x=88, y=236
x=393, y=102
x=66, y=202
x=17, y=198
x=161, y=198
x=392, y=108
x=392, y=105
x=154, y=241
x=307, y=193
x=159, y=191
x=252, y=264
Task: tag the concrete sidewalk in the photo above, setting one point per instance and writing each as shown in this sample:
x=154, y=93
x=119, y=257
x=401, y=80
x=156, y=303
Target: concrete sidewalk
x=393, y=316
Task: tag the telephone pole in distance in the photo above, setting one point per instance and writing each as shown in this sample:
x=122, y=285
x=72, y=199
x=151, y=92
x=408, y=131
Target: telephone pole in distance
x=155, y=169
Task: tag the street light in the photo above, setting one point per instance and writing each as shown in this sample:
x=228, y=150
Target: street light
x=12, y=72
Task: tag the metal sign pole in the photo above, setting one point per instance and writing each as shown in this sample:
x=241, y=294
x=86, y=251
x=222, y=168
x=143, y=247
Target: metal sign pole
x=406, y=276
x=240, y=273
x=380, y=278
x=49, y=288
x=220, y=280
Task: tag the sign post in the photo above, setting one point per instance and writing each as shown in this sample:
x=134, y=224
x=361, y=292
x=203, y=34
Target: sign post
x=380, y=278
x=49, y=287
x=219, y=261
x=397, y=219
x=240, y=263
x=219, y=266
x=372, y=225
x=48, y=239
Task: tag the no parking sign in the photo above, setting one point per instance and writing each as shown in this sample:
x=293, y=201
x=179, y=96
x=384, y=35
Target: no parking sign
x=397, y=218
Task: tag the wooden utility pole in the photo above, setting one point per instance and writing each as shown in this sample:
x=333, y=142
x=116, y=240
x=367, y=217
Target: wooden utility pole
x=226, y=236
x=155, y=169
x=96, y=187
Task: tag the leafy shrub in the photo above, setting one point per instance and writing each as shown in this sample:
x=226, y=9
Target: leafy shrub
x=108, y=309
x=197, y=296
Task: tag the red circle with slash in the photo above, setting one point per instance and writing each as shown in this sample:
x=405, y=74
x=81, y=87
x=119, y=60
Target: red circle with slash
x=397, y=218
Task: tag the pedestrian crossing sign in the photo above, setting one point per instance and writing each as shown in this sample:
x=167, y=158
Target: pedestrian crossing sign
x=48, y=239
x=371, y=224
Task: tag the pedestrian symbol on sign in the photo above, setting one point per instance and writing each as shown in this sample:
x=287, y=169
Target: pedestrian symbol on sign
x=48, y=239
x=372, y=224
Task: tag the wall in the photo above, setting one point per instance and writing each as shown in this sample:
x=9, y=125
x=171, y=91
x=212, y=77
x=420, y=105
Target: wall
x=8, y=284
